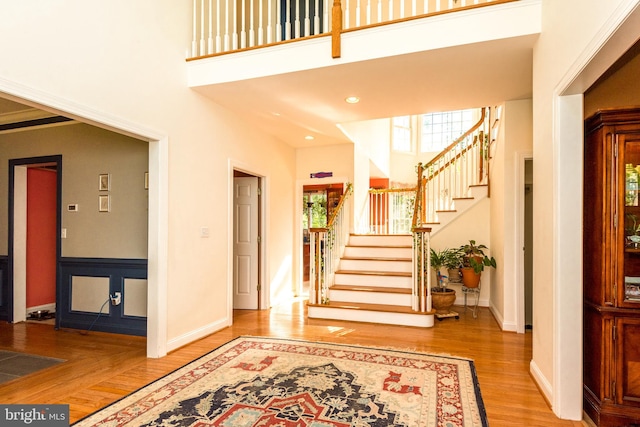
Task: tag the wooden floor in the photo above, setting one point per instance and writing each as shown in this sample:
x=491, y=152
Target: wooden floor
x=102, y=368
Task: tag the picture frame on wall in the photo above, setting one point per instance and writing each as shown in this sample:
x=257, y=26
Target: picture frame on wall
x=104, y=183
x=104, y=203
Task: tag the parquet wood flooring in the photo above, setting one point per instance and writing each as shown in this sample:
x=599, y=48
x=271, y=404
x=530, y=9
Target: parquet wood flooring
x=101, y=368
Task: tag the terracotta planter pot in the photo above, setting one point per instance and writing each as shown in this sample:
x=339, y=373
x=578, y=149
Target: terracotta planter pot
x=470, y=278
x=442, y=300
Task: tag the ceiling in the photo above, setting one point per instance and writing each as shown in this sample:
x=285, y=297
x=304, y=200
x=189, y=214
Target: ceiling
x=293, y=105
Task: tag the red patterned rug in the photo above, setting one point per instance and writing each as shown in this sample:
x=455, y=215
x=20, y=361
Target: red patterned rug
x=267, y=382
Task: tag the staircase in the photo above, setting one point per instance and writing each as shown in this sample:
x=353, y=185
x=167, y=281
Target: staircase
x=377, y=277
x=458, y=206
x=373, y=283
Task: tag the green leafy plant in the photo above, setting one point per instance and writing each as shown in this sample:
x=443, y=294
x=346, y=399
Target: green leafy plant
x=453, y=258
x=437, y=262
x=474, y=257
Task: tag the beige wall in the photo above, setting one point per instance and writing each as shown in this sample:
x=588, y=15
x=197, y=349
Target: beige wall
x=86, y=152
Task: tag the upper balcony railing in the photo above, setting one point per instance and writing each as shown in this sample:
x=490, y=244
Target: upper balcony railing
x=221, y=26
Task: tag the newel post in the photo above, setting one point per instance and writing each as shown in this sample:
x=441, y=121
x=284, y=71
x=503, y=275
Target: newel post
x=336, y=29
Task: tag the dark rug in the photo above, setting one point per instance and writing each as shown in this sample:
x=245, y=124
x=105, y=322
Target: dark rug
x=15, y=365
x=269, y=382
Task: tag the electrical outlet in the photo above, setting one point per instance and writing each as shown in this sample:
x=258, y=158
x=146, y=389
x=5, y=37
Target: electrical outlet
x=116, y=298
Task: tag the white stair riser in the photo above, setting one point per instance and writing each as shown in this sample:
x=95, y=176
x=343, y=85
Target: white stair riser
x=375, y=265
x=370, y=297
x=373, y=280
x=380, y=240
x=377, y=252
x=419, y=320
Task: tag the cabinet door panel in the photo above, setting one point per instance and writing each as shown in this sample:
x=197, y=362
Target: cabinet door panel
x=628, y=361
x=629, y=282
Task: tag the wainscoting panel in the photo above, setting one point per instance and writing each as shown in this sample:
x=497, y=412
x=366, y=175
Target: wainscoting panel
x=85, y=287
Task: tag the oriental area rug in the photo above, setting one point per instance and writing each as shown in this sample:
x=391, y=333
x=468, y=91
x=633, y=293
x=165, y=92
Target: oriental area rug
x=267, y=382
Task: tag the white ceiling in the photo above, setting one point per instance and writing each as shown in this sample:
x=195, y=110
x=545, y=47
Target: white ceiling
x=293, y=105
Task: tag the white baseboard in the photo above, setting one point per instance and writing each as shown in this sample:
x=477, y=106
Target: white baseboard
x=196, y=334
x=543, y=384
x=505, y=326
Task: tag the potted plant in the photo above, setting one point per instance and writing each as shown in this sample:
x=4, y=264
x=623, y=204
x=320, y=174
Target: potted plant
x=474, y=262
x=453, y=260
x=442, y=298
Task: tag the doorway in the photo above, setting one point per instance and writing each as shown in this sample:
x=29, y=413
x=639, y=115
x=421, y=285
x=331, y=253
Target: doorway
x=34, y=246
x=247, y=232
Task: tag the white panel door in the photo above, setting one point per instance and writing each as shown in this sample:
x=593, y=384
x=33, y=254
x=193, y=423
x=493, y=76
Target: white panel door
x=245, y=243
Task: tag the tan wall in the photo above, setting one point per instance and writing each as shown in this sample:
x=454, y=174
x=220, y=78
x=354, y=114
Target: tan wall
x=87, y=152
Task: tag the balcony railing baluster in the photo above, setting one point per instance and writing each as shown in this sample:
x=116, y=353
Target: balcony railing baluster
x=263, y=28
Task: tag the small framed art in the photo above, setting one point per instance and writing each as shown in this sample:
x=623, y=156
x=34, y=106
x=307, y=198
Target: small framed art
x=104, y=203
x=105, y=182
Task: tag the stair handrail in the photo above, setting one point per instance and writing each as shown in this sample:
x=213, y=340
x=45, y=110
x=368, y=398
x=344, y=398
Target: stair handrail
x=443, y=183
x=326, y=247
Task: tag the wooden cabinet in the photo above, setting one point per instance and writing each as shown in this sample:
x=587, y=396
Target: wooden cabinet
x=611, y=272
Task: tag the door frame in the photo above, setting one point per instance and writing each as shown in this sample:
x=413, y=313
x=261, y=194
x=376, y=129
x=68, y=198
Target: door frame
x=521, y=158
x=11, y=267
x=264, y=295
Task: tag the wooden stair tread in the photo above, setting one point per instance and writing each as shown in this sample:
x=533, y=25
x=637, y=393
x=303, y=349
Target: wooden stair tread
x=374, y=273
x=374, y=258
x=380, y=246
x=385, y=289
x=446, y=210
x=385, y=308
x=376, y=235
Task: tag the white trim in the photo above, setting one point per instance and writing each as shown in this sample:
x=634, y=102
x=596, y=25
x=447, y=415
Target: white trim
x=541, y=382
x=509, y=327
x=196, y=334
x=521, y=158
x=158, y=194
x=265, y=290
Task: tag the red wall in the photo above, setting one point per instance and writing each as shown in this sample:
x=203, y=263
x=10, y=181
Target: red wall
x=41, y=237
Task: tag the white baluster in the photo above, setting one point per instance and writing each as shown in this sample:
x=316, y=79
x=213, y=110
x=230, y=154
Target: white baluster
x=226, y=25
x=278, y=21
x=194, y=43
x=218, y=38
x=316, y=17
x=425, y=8
x=379, y=11
x=287, y=22
x=234, y=37
x=347, y=16
x=307, y=21
x=203, y=50
x=269, y=21
x=390, y=10
x=414, y=8
x=368, y=12
x=326, y=16
x=243, y=32
x=260, y=24
x=252, y=30
x=297, y=22
x=401, y=9
x=210, y=39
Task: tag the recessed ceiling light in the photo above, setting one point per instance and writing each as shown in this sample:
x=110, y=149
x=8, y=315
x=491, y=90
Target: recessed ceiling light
x=352, y=100
x=309, y=138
